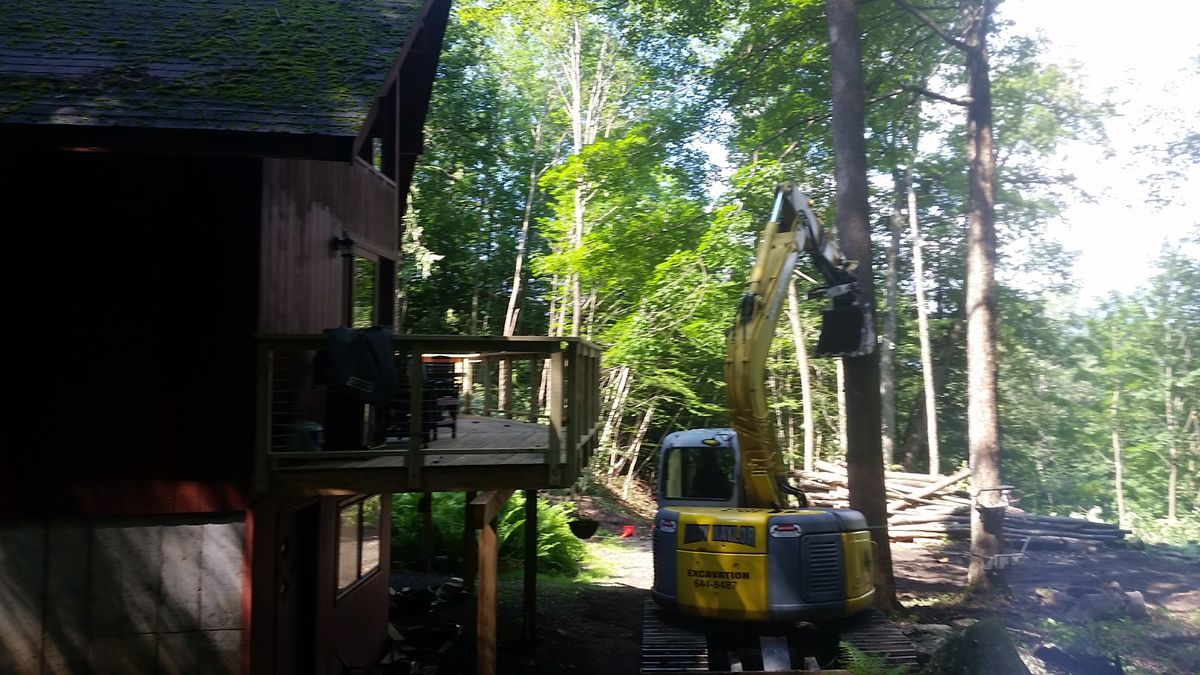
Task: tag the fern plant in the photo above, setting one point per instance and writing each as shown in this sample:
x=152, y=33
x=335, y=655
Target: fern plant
x=858, y=662
x=559, y=551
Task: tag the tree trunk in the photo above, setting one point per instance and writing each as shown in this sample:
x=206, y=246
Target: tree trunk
x=887, y=354
x=518, y=279
x=931, y=427
x=806, y=399
x=611, y=432
x=917, y=429
x=1172, y=441
x=843, y=433
x=635, y=449
x=864, y=456
x=1118, y=464
x=983, y=430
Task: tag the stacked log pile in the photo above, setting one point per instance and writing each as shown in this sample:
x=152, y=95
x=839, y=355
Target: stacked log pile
x=939, y=507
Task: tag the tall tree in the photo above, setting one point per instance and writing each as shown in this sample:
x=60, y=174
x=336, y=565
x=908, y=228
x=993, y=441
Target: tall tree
x=983, y=419
x=864, y=456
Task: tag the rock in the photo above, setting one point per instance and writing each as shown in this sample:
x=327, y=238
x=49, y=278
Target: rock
x=984, y=648
x=1077, y=664
x=927, y=637
x=1051, y=598
x=965, y=622
x=1113, y=603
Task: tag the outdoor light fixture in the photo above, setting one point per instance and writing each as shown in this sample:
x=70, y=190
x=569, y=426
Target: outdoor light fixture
x=344, y=245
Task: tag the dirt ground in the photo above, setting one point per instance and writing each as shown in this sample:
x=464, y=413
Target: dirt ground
x=594, y=628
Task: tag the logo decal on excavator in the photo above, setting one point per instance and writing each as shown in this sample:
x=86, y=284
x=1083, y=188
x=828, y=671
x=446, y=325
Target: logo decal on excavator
x=693, y=533
x=734, y=534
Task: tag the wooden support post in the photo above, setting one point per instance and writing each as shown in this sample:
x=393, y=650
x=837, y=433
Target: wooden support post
x=529, y=606
x=467, y=386
x=554, y=454
x=415, y=414
x=485, y=607
x=574, y=413
x=535, y=386
x=507, y=384
x=485, y=513
x=470, y=549
x=489, y=394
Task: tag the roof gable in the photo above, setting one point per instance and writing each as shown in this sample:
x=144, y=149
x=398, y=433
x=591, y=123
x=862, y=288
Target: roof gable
x=284, y=66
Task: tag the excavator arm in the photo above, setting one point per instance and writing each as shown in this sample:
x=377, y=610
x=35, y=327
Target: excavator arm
x=846, y=330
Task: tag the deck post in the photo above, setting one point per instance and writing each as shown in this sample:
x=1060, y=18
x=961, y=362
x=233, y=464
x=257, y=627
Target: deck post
x=574, y=412
x=506, y=382
x=485, y=515
x=467, y=386
x=489, y=395
x=470, y=550
x=535, y=385
x=554, y=454
x=529, y=606
x=485, y=608
x=416, y=413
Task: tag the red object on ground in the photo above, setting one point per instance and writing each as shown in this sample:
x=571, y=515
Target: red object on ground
x=627, y=532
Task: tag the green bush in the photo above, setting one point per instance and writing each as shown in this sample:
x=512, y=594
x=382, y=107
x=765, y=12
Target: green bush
x=559, y=551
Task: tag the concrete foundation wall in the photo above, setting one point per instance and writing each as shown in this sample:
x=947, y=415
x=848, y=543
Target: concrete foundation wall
x=121, y=595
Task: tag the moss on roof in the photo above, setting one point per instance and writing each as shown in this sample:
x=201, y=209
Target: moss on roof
x=299, y=66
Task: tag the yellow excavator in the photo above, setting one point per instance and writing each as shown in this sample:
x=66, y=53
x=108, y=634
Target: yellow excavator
x=729, y=543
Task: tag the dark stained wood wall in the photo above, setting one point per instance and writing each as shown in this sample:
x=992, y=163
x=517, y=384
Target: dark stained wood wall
x=306, y=206
x=131, y=295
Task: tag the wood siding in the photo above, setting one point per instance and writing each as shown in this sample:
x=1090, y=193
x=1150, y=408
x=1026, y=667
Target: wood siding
x=132, y=299
x=306, y=206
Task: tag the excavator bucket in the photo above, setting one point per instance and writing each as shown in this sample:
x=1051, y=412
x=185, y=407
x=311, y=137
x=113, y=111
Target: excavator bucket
x=846, y=330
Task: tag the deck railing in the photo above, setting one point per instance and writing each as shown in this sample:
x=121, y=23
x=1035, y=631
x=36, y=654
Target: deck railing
x=551, y=381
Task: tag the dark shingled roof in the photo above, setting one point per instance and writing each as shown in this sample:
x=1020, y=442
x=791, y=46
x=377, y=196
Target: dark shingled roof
x=283, y=66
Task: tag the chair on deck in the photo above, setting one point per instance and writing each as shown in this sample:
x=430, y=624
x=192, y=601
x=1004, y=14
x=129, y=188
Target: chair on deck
x=441, y=379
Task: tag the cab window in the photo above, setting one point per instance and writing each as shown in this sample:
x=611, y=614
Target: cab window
x=698, y=473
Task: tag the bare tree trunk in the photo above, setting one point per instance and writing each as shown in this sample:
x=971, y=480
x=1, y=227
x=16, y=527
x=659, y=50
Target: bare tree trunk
x=864, y=454
x=609, y=432
x=931, y=433
x=843, y=432
x=1118, y=463
x=917, y=430
x=1172, y=441
x=806, y=396
x=636, y=448
x=983, y=429
x=887, y=353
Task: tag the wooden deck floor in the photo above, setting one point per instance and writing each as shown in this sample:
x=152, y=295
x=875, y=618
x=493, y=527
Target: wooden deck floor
x=484, y=453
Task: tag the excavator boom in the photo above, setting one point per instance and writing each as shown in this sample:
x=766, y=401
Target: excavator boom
x=846, y=330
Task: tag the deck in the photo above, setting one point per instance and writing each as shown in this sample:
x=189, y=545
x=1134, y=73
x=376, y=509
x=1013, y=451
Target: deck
x=499, y=390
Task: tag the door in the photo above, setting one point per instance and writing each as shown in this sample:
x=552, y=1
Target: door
x=296, y=590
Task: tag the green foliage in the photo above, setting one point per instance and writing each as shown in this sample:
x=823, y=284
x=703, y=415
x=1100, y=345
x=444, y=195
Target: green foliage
x=858, y=662
x=558, y=550
x=622, y=213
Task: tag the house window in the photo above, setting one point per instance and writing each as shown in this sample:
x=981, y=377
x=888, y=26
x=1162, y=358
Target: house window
x=365, y=300
x=358, y=540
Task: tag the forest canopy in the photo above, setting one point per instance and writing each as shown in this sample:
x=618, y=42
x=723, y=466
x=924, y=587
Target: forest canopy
x=603, y=170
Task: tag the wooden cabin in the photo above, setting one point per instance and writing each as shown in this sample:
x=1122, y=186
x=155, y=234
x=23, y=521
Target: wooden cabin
x=194, y=195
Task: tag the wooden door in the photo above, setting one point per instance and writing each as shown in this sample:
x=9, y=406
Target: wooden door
x=296, y=590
